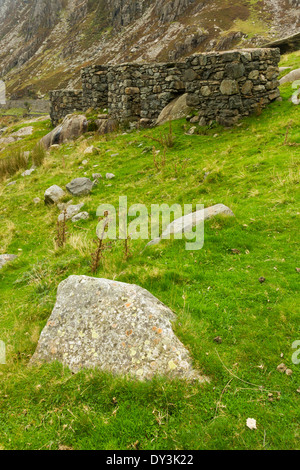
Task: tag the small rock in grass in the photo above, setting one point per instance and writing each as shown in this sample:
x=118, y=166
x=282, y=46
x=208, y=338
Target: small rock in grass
x=191, y=131
x=80, y=216
x=282, y=368
x=36, y=200
x=96, y=176
x=288, y=371
x=6, y=259
x=261, y=279
x=251, y=423
x=62, y=206
x=53, y=194
x=71, y=211
x=28, y=172
x=90, y=151
x=109, y=176
x=218, y=339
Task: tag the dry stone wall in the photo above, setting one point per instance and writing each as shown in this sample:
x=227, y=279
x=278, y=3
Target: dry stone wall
x=95, y=86
x=222, y=86
x=63, y=102
x=36, y=106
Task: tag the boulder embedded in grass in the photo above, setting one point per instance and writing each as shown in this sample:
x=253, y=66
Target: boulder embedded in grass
x=53, y=194
x=117, y=327
x=80, y=186
x=72, y=127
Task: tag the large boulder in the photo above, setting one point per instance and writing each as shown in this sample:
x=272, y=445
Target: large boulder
x=80, y=186
x=176, y=109
x=290, y=77
x=106, y=126
x=186, y=223
x=6, y=259
x=72, y=127
x=23, y=132
x=117, y=327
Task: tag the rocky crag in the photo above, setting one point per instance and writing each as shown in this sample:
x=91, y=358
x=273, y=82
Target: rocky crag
x=44, y=43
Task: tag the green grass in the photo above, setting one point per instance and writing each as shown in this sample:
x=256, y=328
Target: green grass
x=291, y=60
x=28, y=143
x=18, y=112
x=214, y=292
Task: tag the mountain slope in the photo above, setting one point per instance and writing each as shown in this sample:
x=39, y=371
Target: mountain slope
x=44, y=43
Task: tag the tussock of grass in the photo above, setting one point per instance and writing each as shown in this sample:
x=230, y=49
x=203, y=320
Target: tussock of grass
x=38, y=155
x=12, y=164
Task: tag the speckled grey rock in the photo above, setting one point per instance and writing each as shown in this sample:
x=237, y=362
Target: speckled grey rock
x=6, y=259
x=80, y=186
x=114, y=326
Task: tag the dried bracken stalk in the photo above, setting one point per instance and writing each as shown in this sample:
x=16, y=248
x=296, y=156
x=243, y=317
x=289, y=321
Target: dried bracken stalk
x=127, y=252
x=61, y=237
x=97, y=255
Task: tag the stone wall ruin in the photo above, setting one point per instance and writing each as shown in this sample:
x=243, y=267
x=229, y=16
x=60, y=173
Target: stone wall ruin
x=222, y=86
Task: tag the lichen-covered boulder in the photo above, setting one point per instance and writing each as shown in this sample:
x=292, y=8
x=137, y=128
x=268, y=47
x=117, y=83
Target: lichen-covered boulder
x=72, y=127
x=117, y=327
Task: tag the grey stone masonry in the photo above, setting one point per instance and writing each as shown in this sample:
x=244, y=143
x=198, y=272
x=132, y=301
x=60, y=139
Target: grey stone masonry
x=63, y=102
x=95, y=86
x=222, y=86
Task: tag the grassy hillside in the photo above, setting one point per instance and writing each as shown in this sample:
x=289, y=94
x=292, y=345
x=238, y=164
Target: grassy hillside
x=253, y=169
